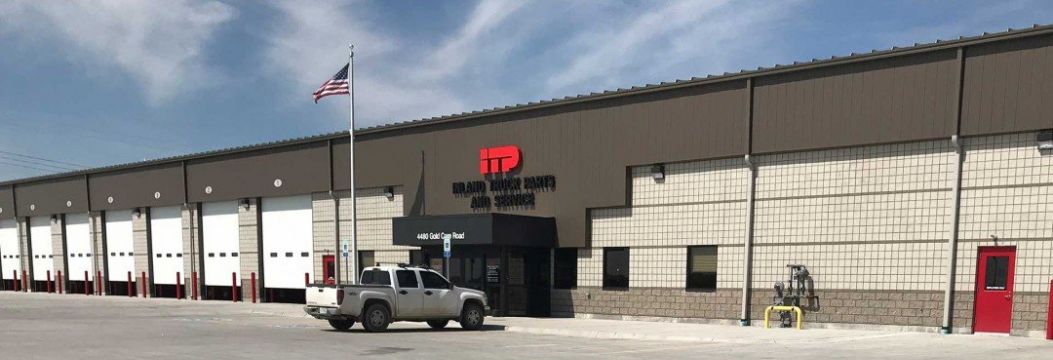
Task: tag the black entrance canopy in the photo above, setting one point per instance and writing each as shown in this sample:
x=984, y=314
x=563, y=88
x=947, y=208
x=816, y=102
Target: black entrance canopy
x=475, y=229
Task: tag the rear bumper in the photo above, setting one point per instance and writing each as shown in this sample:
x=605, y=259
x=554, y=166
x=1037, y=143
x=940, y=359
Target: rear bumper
x=324, y=312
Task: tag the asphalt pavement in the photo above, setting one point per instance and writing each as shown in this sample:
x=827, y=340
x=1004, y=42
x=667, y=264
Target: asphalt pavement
x=51, y=326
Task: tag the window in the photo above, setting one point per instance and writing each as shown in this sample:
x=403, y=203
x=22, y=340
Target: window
x=566, y=260
x=997, y=272
x=433, y=281
x=417, y=257
x=375, y=277
x=365, y=259
x=407, y=278
x=702, y=268
x=616, y=268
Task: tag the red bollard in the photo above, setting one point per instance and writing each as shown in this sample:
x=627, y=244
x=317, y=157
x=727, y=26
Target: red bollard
x=98, y=283
x=58, y=281
x=86, y=285
x=253, y=277
x=193, y=286
x=234, y=287
x=14, y=279
x=49, y=281
x=1049, y=315
x=146, y=294
x=178, y=286
x=129, y=284
x=306, y=279
x=25, y=281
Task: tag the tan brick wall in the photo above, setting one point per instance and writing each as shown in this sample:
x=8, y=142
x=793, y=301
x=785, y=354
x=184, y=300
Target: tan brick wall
x=866, y=218
x=248, y=247
x=95, y=220
x=375, y=212
x=1007, y=200
x=698, y=203
x=58, y=251
x=142, y=256
x=720, y=304
x=190, y=248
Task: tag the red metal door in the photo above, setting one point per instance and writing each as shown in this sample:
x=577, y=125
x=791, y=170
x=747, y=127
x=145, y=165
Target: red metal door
x=329, y=268
x=994, y=289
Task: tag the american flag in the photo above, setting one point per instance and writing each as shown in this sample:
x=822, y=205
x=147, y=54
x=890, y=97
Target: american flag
x=335, y=86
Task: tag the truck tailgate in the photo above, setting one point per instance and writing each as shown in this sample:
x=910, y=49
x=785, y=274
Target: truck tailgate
x=322, y=295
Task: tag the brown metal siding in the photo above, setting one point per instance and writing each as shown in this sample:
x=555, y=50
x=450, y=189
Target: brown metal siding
x=586, y=146
x=50, y=197
x=889, y=100
x=303, y=169
x=7, y=203
x=136, y=188
x=1007, y=86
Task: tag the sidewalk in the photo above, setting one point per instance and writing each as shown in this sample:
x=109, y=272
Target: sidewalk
x=683, y=332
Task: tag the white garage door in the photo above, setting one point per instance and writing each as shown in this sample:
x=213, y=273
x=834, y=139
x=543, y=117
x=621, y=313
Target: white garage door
x=119, y=247
x=287, y=238
x=43, y=256
x=9, y=257
x=166, y=235
x=78, y=243
x=219, y=226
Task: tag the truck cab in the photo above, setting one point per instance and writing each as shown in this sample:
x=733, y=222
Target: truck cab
x=396, y=293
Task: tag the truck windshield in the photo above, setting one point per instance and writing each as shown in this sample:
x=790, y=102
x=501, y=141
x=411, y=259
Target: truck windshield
x=376, y=277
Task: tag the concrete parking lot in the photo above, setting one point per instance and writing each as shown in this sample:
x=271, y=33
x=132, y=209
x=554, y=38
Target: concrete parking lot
x=42, y=326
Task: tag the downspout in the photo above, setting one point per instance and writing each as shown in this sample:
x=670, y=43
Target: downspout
x=952, y=241
x=744, y=317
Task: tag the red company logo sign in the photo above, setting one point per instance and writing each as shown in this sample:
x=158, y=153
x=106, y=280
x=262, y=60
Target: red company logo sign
x=498, y=159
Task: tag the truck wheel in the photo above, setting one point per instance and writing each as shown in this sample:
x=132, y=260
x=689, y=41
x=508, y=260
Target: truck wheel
x=341, y=325
x=376, y=318
x=472, y=316
x=438, y=324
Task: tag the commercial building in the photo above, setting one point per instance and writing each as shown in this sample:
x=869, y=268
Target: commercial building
x=915, y=184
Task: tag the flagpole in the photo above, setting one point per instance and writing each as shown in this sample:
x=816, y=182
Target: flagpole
x=354, y=211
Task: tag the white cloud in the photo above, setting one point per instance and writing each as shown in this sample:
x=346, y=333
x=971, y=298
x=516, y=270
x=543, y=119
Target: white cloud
x=503, y=51
x=392, y=82
x=685, y=35
x=160, y=44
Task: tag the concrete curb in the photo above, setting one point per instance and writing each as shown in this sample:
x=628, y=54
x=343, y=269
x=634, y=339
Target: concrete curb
x=629, y=336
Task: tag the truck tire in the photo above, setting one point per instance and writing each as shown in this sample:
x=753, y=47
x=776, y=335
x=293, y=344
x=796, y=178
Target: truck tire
x=472, y=316
x=342, y=325
x=376, y=318
x=438, y=324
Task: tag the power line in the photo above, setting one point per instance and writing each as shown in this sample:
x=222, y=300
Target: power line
x=27, y=167
x=37, y=163
x=42, y=159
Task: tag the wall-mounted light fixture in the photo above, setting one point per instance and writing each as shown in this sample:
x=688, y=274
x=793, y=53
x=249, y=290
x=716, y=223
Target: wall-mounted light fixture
x=389, y=192
x=1045, y=140
x=245, y=204
x=658, y=172
x=138, y=212
x=54, y=219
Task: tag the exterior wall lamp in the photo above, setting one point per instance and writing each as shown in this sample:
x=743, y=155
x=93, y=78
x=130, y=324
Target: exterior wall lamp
x=389, y=192
x=138, y=212
x=245, y=204
x=658, y=172
x=1045, y=140
x=54, y=219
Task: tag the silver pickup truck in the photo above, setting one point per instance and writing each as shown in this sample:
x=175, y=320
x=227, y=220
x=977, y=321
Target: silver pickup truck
x=396, y=293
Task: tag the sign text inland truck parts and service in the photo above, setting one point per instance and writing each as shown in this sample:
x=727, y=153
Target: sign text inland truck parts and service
x=507, y=192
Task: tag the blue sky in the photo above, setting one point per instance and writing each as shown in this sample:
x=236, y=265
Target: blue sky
x=121, y=81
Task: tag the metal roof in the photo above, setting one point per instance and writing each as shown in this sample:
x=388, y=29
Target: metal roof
x=875, y=54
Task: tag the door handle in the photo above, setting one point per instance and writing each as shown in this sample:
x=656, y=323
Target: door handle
x=1009, y=296
x=427, y=292
x=403, y=292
